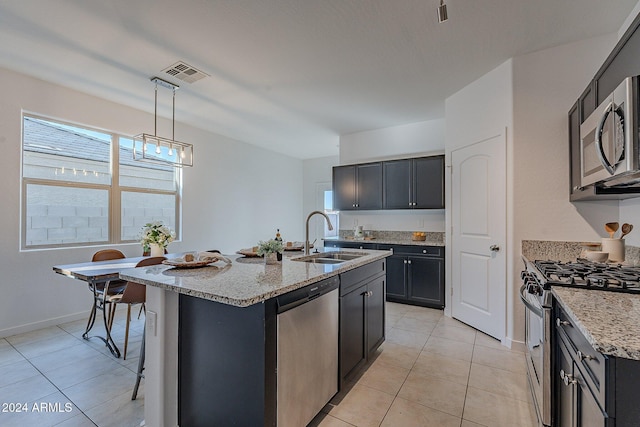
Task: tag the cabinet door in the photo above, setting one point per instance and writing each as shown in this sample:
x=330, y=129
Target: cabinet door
x=588, y=411
x=428, y=183
x=397, y=192
x=623, y=61
x=369, y=186
x=574, y=150
x=564, y=410
x=344, y=187
x=426, y=281
x=375, y=313
x=396, y=281
x=352, y=333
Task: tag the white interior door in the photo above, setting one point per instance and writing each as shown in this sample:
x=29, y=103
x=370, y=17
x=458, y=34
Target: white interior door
x=478, y=267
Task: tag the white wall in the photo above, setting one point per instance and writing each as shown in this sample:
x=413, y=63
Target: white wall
x=411, y=140
x=480, y=111
x=546, y=84
x=234, y=195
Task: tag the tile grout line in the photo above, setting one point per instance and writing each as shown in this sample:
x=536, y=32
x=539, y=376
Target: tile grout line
x=51, y=382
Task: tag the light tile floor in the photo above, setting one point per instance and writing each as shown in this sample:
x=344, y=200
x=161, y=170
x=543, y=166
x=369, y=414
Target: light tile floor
x=434, y=371
x=56, y=378
x=431, y=371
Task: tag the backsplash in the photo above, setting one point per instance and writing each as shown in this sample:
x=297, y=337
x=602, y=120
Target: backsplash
x=567, y=251
x=431, y=236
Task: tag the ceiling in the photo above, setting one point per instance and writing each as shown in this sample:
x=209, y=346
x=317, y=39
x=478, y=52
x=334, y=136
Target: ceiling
x=288, y=75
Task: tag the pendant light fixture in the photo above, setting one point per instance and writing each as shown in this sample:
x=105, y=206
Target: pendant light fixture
x=156, y=149
x=442, y=12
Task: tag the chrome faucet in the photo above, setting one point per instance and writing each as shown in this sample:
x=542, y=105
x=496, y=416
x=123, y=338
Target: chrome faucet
x=306, y=231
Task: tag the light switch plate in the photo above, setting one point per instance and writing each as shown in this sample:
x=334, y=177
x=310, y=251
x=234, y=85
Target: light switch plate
x=152, y=323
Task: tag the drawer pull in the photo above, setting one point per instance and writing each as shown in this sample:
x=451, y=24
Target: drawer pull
x=583, y=356
x=562, y=322
x=567, y=378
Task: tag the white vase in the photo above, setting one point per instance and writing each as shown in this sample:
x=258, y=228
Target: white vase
x=155, y=250
x=271, y=258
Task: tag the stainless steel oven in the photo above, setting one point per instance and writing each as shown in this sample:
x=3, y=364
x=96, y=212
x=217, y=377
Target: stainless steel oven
x=537, y=304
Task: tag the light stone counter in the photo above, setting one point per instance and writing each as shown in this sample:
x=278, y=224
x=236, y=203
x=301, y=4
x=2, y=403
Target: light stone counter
x=246, y=281
x=609, y=320
x=387, y=241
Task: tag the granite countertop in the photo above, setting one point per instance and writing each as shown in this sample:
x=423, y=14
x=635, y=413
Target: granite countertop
x=246, y=281
x=389, y=241
x=609, y=320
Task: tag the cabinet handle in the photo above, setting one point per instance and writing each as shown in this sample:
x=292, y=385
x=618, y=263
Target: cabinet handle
x=405, y=261
x=567, y=378
x=583, y=356
x=368, y=293
x=424, y=251
x=409, y=262
x=562, y=322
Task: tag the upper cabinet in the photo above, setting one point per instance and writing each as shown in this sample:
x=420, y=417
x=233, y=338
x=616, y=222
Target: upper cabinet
x=357, y=187
x=396, y=184
x=414, y=183
x=621, y=63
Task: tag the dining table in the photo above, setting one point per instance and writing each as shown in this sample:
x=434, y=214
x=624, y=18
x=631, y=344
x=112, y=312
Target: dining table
x=97, y=273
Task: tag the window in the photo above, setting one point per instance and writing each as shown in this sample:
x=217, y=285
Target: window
x=333, y=215
x=82, y=187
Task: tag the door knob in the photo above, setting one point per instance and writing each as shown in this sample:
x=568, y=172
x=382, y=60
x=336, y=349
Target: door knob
x=494, y=248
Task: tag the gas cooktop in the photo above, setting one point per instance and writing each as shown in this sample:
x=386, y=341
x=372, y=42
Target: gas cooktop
x=591, y=275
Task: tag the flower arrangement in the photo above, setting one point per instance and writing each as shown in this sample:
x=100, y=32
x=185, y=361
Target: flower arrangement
x=269, y=247
x=158, y=233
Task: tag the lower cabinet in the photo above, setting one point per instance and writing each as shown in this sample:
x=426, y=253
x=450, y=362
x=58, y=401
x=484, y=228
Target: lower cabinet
x=589, y=388
x=361, y=316
x=415, y=275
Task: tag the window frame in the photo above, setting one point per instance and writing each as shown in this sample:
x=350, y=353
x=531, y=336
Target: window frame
x=114, y=190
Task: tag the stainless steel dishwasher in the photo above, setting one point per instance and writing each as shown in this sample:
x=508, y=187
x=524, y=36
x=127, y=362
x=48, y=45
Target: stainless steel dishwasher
x=307, y=351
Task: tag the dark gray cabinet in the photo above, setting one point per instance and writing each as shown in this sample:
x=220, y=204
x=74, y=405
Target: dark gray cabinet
x=622, y=62
x=413, y=183
x=357, y=187
x=415, y=275
x=589, y=388
x=362, y=319
x=395, y=184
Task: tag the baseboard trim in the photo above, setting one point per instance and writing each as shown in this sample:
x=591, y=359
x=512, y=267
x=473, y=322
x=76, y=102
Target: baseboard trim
x=28, y=327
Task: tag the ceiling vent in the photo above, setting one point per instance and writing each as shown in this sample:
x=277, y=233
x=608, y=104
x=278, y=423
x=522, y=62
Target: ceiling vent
x=185, y=72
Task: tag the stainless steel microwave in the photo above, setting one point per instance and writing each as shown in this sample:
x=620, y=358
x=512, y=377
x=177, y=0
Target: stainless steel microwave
x=609, y=140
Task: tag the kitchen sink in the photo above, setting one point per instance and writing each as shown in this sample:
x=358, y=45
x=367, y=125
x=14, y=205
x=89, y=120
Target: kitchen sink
x=329, y=257
x=321, y=260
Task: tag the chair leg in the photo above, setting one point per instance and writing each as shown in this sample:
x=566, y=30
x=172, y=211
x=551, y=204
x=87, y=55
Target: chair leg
x=142, y=307
x=112, y=314
x=126, y=332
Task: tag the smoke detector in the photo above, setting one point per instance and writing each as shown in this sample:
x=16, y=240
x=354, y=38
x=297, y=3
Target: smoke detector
x=185, y=72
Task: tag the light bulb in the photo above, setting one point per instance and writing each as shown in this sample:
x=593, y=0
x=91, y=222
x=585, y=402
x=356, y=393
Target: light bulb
x=170, y=150
x=158, y=149
x=144, y=147
x=62, y=171
x=182, y=153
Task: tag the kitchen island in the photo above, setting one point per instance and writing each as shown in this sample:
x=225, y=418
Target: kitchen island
x=211, y=334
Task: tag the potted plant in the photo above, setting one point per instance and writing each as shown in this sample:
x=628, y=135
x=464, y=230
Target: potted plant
x=155, y=237
x=271, y=250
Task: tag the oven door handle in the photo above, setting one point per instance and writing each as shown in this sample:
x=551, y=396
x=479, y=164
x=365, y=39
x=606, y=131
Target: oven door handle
x=523, y=296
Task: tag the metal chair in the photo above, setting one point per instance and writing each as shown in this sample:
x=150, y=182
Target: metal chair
x=134, y=293
x=113, y=287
